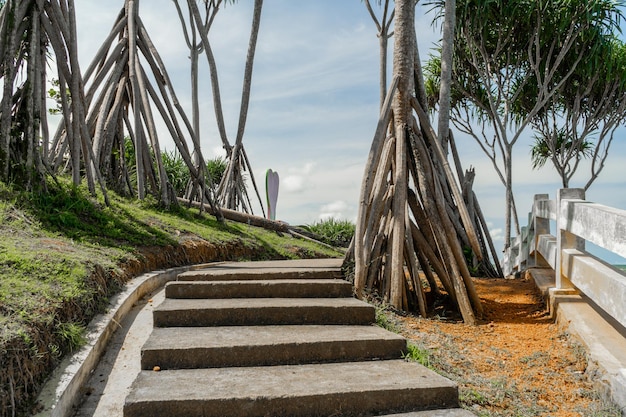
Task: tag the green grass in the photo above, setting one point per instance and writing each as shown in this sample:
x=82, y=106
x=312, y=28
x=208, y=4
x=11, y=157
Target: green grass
x=64, y=253
x=71, y=212
x=418, y=354
x=51, y=243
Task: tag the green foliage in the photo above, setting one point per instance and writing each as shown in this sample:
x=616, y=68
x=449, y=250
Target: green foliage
x=557, y=146
x=472, y=396
x=72, y=212
x=55, y=94
x=177, y=171
x=216, y=168
x=129, y=161
x=500, y=41
x=580, y=120
x=333, y=232
x=468, y=254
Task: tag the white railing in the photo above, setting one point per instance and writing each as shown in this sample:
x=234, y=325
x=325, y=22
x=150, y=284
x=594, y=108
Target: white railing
x=577, y=221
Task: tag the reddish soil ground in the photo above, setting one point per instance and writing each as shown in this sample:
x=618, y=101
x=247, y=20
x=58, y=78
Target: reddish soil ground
x=516, y=362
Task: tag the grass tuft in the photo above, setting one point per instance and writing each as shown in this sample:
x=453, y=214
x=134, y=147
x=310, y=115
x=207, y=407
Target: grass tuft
x=72, y=334
x=383, y=320
x=418, y=354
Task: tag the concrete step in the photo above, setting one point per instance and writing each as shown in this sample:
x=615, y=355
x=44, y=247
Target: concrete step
x=262, y=311
x=295, y=269
x=208, y=347
x=346, y=389
x=283, y=288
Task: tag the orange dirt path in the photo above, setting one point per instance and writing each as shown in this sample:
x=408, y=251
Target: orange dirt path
x=516, y=362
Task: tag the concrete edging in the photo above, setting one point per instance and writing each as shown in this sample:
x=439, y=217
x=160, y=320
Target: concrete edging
x=60, y=392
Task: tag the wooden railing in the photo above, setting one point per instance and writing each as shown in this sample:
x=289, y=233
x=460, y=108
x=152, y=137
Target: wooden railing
x=577, y=221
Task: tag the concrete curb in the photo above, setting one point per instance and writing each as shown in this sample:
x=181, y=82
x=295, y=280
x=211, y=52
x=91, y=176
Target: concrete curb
x=61, y=391
x=602, y=337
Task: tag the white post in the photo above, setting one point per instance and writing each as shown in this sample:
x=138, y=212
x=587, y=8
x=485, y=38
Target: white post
x=523, y=249
x=541, y=225
x=565, y=239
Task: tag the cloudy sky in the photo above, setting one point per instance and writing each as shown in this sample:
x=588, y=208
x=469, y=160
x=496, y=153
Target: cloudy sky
x=314, y=103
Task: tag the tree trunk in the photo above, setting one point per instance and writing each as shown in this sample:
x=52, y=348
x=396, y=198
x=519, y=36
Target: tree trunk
x=361, y=250
x=217, y=99
x=391, y=243
x=447, y=47
x=247, y=79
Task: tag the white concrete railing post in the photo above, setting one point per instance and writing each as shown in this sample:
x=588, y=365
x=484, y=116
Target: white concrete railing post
x=541, y=225
x=520, y=250
x=530, y=239
x=565, y=239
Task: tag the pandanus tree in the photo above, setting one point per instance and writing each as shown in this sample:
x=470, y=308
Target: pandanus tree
x=195, y=49
x=413, y=224
x=191, y=32
x=580, y=122
x=105, y=110
x=232, y=191
x=538, y=43
x=124, y=85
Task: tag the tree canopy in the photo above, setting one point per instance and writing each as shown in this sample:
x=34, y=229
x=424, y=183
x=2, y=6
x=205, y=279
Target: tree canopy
x=580, y=121
x=510, y=55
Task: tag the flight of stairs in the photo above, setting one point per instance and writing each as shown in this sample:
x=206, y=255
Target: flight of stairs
x=278, y=339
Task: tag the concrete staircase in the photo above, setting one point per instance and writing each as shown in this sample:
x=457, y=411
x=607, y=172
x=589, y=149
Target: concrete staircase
x=278, y=339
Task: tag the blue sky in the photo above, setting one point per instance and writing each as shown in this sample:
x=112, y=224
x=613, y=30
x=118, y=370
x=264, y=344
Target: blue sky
x=314, y=103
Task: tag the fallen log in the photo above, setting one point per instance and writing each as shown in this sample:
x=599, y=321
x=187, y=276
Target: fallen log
x=253, y=220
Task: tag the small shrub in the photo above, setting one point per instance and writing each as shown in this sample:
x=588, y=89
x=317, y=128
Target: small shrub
x=472, y=396
x=333, y=232
x=216, y=168
x=177, y=171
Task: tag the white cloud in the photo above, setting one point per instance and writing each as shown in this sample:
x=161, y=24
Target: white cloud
x=329, y=215
x=335, y=206
x=297, y=178
x=305, y=169
x=293, y=183
x=496, y=234
x=335, y=210
x=216, y=152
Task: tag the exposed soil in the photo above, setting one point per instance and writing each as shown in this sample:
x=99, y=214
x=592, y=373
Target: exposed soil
x=516, y=362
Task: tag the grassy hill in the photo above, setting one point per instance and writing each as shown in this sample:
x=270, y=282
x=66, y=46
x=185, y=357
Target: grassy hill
x=63, y=253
